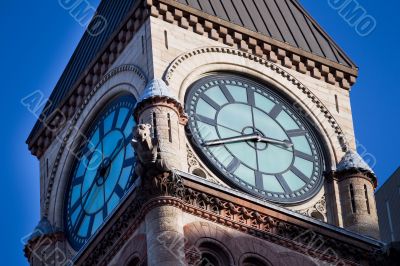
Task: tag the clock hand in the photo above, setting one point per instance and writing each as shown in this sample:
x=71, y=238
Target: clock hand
x=231, y=140
x=117, y=149
x=249, y=137
x=285, y=143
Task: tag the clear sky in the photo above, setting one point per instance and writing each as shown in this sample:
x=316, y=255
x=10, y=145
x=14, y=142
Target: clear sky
x=38, y=38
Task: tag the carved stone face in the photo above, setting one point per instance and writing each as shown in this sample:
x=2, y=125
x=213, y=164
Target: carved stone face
x=142, y=132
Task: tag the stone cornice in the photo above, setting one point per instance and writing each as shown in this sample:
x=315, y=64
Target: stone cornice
x=162, y=101
x=241, y=215
x=353, y=173
x=248, y=41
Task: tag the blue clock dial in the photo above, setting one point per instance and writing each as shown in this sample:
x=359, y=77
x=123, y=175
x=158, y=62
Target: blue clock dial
x=255, y=137
x=103, y=171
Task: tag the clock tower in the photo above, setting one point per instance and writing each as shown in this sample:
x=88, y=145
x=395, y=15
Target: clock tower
x=203, y=133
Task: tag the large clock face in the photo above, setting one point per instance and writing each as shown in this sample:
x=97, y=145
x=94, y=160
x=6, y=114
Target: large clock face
x=255, y=138
x=103, y=171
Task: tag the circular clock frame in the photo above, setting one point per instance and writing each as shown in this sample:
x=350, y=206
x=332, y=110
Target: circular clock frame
x=286, y=194
x=103, y=171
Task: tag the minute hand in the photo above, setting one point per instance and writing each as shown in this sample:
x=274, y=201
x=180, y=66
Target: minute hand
x=250, y=137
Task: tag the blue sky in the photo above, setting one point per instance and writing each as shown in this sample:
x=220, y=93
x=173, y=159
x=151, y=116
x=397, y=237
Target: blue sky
x=37, y=40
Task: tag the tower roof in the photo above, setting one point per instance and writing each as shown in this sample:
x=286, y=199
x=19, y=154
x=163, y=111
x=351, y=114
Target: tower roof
x=353, y=161
x=283, y=20
x=155, y=88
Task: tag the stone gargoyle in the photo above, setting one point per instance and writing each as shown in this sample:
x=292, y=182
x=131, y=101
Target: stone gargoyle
x=149, y=162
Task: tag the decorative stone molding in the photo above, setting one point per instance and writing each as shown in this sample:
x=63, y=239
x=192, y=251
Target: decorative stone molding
x=72, y=123
x=318, y=209
x=88, y=82
x=194, y=164
x=257, y=44
x=173, y=190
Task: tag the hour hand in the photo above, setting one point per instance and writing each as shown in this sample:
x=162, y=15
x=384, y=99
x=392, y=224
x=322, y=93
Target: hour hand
x=250, y=137
x=231, y=140
x=284, y=143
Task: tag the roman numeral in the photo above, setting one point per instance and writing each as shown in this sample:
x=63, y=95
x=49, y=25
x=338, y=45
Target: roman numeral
x=79, y=220
x=105, y=211
x=296, y=132
x=115, y=120
x=259, y=180
x=233, y=165
x=283, y=184
x=123, y=126
x=128, y=162
x=206, y=120
x=299, y=174
x=119, y=191
x=210, y=102
x=250, y=97
x=101, y=129
x=76, y=205
x=226, y=92
x=77, y=181
x=91, y=222
x=303, y=155
x=275, y=111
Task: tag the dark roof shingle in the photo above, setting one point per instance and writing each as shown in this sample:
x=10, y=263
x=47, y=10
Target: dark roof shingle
x=283, y=20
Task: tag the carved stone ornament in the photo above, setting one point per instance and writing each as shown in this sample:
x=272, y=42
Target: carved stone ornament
x=195, y=164
x=172, y=189
x=147, y=149
x=318, y=211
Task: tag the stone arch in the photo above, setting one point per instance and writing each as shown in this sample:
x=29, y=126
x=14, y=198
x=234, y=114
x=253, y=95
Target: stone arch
x=200, y=233
x=239, y=245
x=125, y=79
x=191, y=66
x=254, y=259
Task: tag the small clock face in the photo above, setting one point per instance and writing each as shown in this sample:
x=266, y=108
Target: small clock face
x=255, y=138
x=103, y=171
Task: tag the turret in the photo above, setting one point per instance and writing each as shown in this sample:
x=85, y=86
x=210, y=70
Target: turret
x=166, y=115
x=357, y=182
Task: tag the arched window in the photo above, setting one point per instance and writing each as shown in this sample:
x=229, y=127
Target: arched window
x=134, y=262
x=353, y=202
x=253, y=262
x=366, y=198
x=212, y=254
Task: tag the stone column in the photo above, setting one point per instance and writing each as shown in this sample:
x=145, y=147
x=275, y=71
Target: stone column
x=165, y=237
